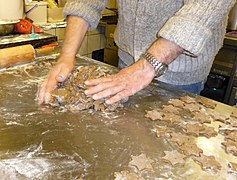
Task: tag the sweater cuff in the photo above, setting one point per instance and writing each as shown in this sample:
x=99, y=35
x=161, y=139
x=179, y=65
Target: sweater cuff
x=191, y=36
x=84, y=10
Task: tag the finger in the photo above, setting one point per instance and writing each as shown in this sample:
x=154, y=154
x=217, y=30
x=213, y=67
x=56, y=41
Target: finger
x=107, y=92
x=100, y=87
x=119, y=96
x=94, y=82
x=51, y=85
x=63, y=74
x=40, y=93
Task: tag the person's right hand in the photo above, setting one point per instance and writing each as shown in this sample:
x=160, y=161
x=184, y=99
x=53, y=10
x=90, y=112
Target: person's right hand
x=57, y=74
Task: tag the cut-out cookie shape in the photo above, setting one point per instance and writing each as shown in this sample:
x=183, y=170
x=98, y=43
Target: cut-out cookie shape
x=126, y=175
x=207, y=162
x=141, y=162
x=188, y=99
x=174, y=157
x=176, y=103
x=207, y=103
x=232, y=168
x=170, y=109
x=230, y=147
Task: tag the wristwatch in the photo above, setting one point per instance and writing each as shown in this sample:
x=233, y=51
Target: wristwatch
x=160, y=68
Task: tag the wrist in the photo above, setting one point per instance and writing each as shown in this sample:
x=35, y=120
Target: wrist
x=67, y=60
x=147, y=67
x=159, y=67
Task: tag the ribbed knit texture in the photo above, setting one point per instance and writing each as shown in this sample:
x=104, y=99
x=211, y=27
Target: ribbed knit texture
x=198, y=26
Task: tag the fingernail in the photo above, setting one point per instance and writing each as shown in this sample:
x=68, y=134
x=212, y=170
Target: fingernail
x=86, y=92
x=61, y=78
x=108, y=102
x=95, y=97
x=86, y=82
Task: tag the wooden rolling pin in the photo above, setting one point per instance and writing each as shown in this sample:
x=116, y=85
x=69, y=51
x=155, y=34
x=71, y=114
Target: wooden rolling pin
x=21, y=54
x=16, y=55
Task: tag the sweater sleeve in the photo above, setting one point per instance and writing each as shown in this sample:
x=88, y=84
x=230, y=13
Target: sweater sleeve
x=193, y=25
x=86, y=9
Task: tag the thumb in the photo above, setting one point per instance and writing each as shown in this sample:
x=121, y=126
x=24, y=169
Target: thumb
x=62, y=75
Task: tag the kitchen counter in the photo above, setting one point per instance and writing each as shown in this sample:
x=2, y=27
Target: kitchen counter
x=22, y=39
x=41, y=142
x=230, y=40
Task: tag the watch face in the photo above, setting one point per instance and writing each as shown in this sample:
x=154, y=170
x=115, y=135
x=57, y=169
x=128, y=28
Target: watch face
x=162, y=70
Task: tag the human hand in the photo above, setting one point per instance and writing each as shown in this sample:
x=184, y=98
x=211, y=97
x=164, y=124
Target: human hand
x=57, y=74
x=123, y=84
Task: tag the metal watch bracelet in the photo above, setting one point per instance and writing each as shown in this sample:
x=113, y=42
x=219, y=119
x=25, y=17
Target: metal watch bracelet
x=160, y=68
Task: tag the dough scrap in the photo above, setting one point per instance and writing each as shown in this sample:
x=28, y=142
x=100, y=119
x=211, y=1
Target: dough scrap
x=70, y=93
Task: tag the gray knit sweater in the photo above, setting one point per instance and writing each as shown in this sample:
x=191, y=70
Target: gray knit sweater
x=198, y=26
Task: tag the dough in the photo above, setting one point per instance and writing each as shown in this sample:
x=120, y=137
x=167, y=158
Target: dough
x=70, y=94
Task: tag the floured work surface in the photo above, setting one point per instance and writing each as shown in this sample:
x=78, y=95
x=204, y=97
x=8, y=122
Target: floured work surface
x=41, y=142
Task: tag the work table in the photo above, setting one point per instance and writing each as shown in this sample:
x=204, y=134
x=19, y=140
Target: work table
x=46, y=143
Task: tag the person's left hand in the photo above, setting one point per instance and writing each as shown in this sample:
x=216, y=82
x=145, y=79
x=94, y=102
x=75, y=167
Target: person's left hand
x=125, y=83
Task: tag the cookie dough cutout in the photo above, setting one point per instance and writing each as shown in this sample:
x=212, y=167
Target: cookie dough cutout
x=126, y=175
x=219, y=117
x=201, y=117
x=154, y=115
x=141, y=162
x=232, y=168
x=179, y=138
x=174, y=158
x=176, y=103
x=192, y=107
x=170, y=109
x=231, y=136
x=207, y=103
x=192, y=129
x=230, y=147
x=208, y=131
x=234, y=114
x=189, y=148
x=163, y=131
x=188, y=99
x=171, y=118
x=207, y=163
x=232, y=121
